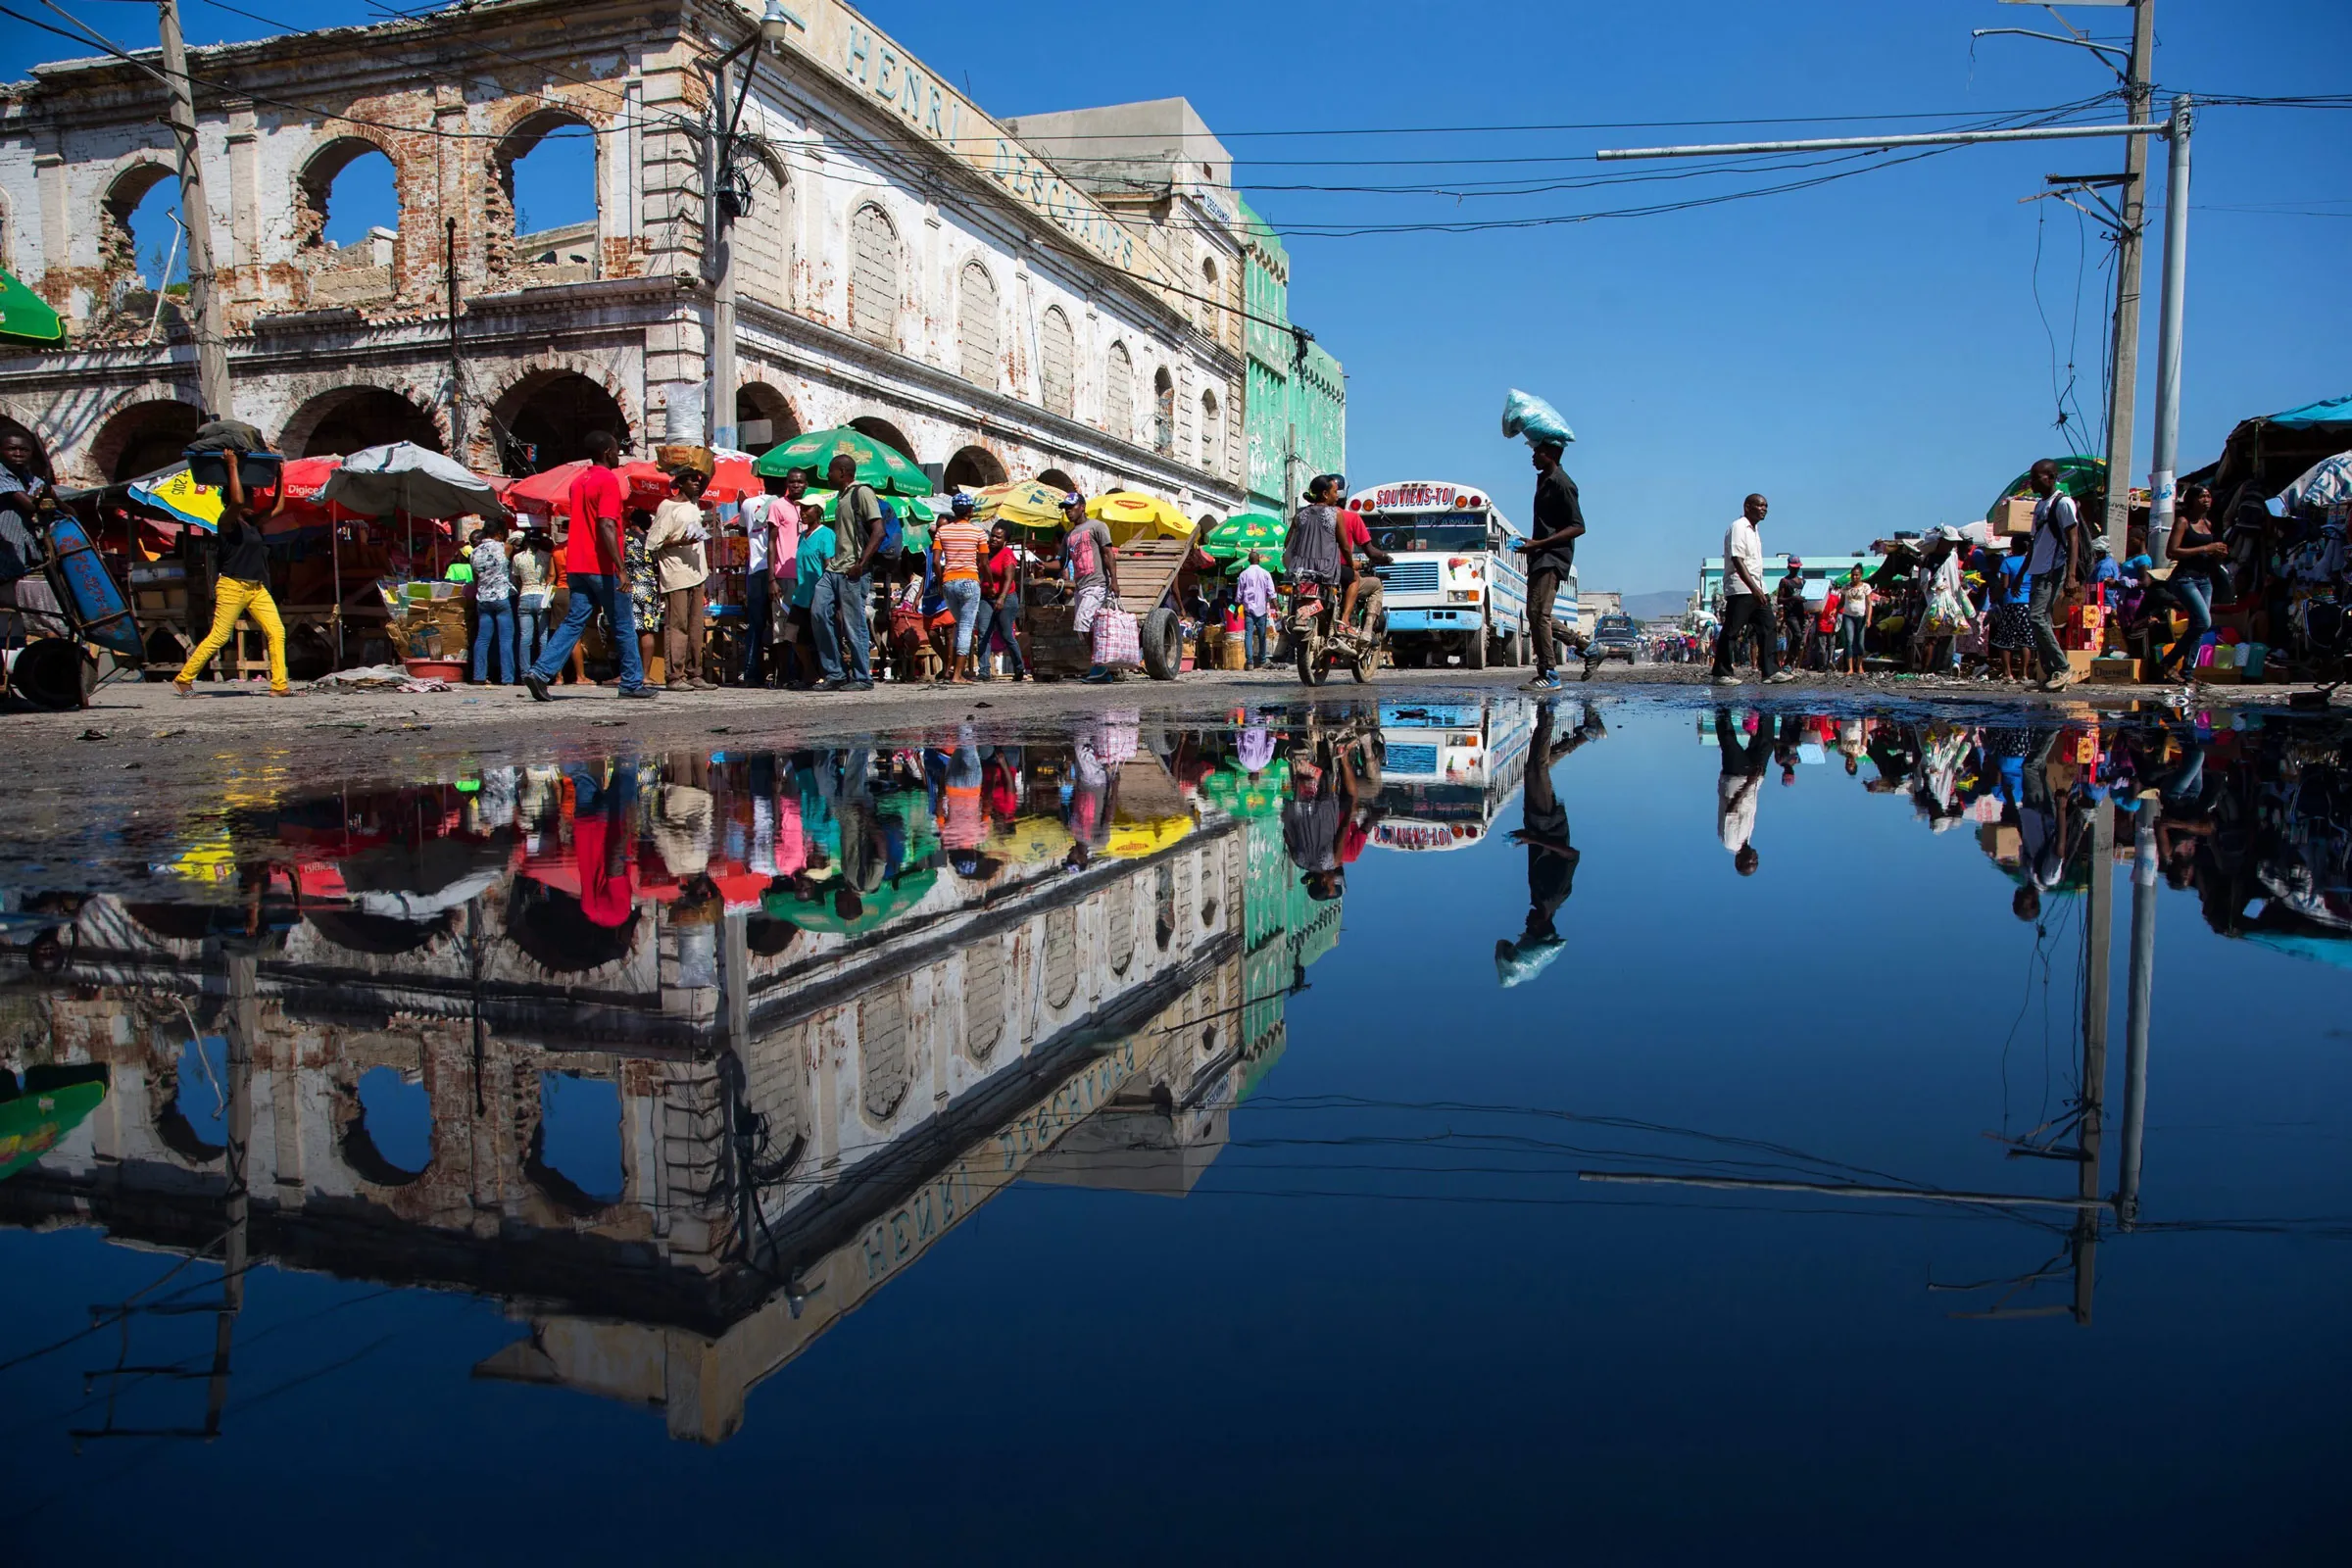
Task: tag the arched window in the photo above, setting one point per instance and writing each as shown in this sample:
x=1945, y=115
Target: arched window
x=763, y=234
x=546, y=170
x=1213, y=434
x=1057, y=350
x=875, y=277
x=1118, y=395
x=347, y=222
x=976, y=326
x=1163, y=411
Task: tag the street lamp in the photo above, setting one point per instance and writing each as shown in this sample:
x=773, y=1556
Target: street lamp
x=731, y=198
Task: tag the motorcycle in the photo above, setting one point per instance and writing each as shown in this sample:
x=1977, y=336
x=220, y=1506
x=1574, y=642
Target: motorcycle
x=1321, y=644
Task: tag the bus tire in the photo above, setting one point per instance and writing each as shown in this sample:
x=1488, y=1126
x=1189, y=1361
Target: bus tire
x=1473, y=656
x=1163, y=640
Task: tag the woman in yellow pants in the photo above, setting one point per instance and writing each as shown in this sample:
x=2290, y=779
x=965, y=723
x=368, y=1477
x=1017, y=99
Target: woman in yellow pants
x=242, y=586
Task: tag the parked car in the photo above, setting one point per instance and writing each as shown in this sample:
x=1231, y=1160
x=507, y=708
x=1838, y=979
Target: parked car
x=1617, y=637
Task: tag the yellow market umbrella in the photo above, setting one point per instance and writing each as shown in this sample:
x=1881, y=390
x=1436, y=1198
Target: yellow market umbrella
x=1131, y=516
x=1133, y=838
x=1030, y=841
x=1021, y=503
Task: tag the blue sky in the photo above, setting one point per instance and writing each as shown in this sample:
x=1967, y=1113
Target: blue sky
x=1869, y=353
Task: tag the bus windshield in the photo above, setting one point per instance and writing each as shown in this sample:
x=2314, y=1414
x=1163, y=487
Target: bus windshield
x=1432, y=531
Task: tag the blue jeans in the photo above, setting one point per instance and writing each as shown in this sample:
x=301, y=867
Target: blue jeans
x=1849, y=636
x=1003, y=619
x=530, y=627
x=843, y=603
x=590, y=593
x=494, y=628
x=755, y=628
x=1254, y=638
x=964, y=598
x=2193, y=594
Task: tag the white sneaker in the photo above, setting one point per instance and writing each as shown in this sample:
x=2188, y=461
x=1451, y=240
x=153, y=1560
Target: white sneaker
x=1780, y=678
x=1726, y=680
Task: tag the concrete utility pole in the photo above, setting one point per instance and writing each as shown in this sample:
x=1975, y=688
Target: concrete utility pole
x=2169, y=325
x=2139, y=1001
x=2138, y=93
x=723, y=203
x=212, y=341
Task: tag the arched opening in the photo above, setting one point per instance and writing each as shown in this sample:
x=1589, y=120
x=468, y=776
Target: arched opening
x=763, y=418
x=544, y=419
x=873, y=305
x=1057, y=350
x=193, y=1122
x=1163, y=411
x=546, y=185
x=1057, y=479
x=976, y=343
x=1213, y=434
x=144, y=437
x=973, y=469
x=1163, y=905
x=347, y=222
x=763, y=231
x=1118, y=395
x=352, y=417
x=389, y=1140
x=142, y=250
x=576, y=1154
x=889, y=434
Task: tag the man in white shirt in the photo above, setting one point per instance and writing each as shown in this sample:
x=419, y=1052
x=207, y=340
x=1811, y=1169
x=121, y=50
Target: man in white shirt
x=2054, y=562
x=1256, y=592
x=1738, y=784
x=1745, y=603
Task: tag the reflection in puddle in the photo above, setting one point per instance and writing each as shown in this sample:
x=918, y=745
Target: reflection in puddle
x=683, y=1058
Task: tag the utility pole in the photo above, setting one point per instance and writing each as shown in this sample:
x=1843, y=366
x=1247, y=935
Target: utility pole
x=2099, y=941
x=2139, y=1001
x=724, y=198
x=211, y=342
x=456, y=359
x=2122, y=392
x=2169, y=321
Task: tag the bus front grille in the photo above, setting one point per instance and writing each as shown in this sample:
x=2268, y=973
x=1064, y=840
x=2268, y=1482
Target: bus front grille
x=1412, y=577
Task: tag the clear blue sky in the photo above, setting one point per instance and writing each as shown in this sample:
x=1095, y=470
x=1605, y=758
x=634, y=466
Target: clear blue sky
x=1868, y=353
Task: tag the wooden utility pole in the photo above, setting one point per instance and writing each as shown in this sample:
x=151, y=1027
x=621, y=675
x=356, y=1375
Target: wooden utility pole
x=212, y=341
x=2123, y=355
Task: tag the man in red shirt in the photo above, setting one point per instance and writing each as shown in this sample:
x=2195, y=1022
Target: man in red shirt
x=592, y=565
x=1362, y=555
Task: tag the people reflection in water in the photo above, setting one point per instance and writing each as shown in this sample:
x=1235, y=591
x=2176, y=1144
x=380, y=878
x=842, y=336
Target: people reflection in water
x=1330, y=812
x=1551, y=860
x=603, y=839
x=1747, y=752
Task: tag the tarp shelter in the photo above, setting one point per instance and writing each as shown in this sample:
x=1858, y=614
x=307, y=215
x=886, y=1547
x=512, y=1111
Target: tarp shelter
x=26, y=317
x=2265, y=455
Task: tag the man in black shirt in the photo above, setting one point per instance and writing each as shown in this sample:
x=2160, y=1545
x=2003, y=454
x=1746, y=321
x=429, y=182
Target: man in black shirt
x=1551, y=860
x=1550, y=555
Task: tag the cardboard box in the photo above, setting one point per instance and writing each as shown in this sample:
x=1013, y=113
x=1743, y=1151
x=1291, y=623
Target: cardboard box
x=2078, y=661
x=2003, y=843
x=2116, y=667
x=2222, y=675
x=2014, y=517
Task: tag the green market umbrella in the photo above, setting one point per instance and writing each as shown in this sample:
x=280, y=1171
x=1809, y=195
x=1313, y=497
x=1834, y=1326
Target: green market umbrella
x=889, y=470
x=911, y=508
x=25, y=315
x=885, y=903
x=35, y=1122
x=2078, y=477
x=1233, y=539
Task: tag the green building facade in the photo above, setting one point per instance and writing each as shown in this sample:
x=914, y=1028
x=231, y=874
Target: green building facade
x=1294, y=403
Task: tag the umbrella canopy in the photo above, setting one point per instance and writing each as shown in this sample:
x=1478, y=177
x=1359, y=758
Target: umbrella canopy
x=547, y=490
x=25, y=315
x=890, y=900
x=2322, y=485
x=407, y=477
x=911, y=508
x=2329, y=410
x=889, y=470
x=2077, y=477
x=1238, y=535
x=175, y=492
x=1131, y=516
x=33, y=1123
x=1134, y=838
x=1020, y=503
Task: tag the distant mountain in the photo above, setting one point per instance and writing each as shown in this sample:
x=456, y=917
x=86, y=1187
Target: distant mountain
x=1654, y=607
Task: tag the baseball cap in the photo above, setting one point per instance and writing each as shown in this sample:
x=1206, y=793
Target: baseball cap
x=1073, y=499
x=959, y=502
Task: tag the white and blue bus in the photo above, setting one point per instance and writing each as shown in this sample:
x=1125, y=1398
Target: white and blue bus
x=1456, y=593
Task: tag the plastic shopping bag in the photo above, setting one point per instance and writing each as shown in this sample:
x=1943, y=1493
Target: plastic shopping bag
x=1118, y=640
x=1525, y=413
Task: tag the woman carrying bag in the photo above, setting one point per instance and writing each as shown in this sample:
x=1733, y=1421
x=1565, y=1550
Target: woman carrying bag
x=2201, y=573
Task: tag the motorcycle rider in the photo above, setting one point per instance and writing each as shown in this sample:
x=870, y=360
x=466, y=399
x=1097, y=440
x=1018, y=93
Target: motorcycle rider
x=1311, y=555
x=1364, y=586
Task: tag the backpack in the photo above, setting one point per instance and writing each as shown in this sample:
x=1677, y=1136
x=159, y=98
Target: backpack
x=894, y=530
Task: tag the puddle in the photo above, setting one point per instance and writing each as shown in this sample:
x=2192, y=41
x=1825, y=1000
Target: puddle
x=1403, y=1128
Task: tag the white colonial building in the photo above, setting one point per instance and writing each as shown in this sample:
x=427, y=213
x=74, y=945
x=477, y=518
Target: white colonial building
x=903, y=263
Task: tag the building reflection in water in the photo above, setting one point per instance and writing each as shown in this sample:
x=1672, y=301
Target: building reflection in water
x=681, y=1058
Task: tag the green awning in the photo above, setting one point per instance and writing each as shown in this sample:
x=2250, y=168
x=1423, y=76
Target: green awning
x=26, y=317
